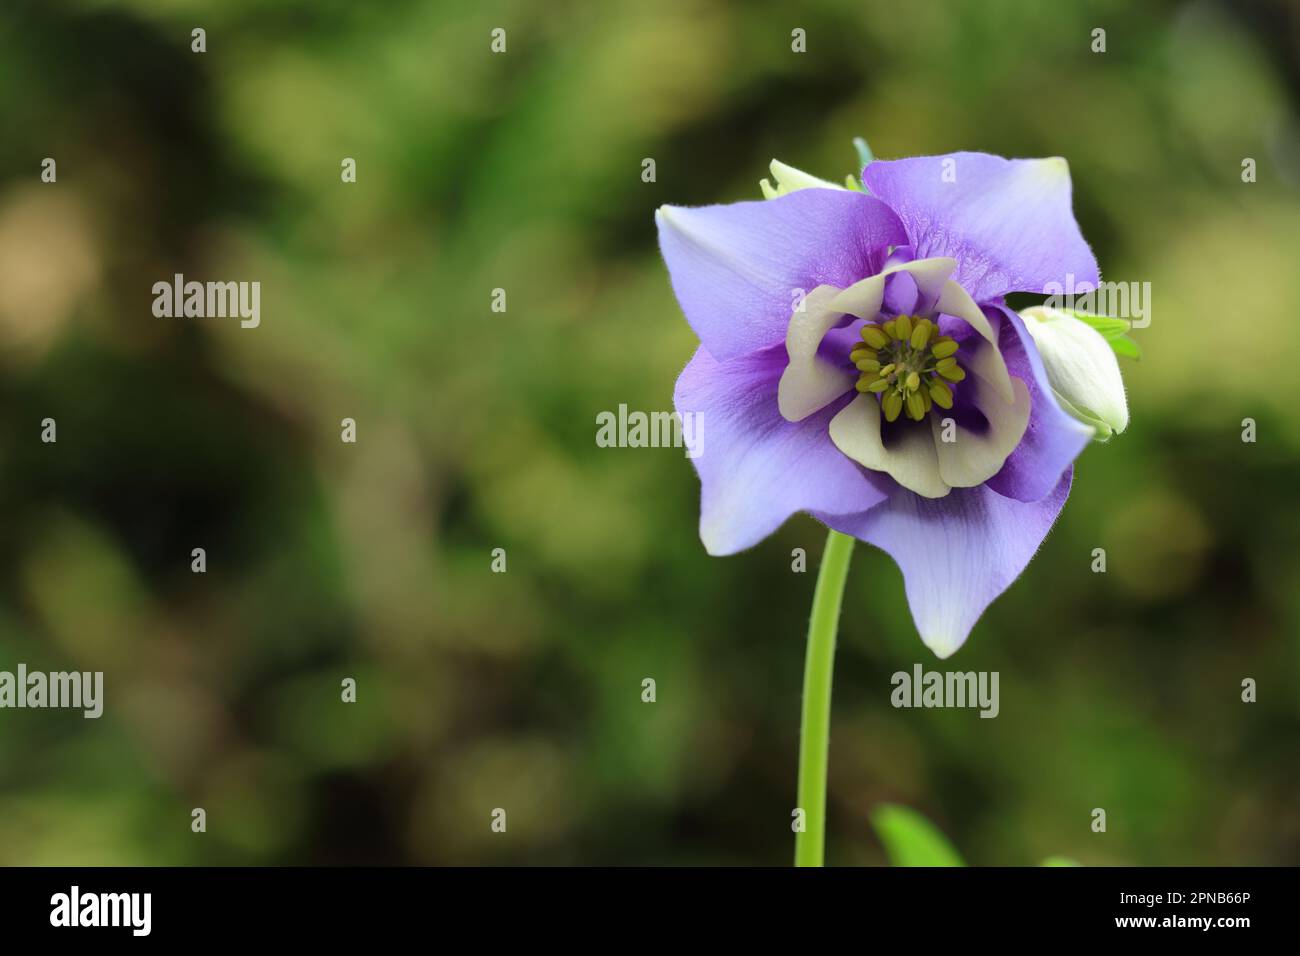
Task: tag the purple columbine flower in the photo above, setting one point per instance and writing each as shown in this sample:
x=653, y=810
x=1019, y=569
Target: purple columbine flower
x=857, y=362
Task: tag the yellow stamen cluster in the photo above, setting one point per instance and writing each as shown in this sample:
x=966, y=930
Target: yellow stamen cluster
x=906, y=362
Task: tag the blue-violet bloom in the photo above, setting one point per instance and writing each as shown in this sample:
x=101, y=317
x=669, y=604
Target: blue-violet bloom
x=858, y=362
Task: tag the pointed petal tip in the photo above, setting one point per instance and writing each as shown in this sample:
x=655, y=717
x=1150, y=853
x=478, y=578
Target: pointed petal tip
x=721, y=540
x=713, y=550
x=679, y=217
x=713, y=539
x=1056, y=164
x=943, y=645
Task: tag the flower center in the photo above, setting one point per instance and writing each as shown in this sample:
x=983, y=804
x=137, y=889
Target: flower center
x=908, y=364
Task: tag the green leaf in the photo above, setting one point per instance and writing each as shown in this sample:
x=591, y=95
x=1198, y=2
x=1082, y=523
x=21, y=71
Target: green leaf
x=912, y=840
x=1060, y=861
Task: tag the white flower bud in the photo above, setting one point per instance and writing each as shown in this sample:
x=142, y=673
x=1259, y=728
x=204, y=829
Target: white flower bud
x=1081, y=368
x=788, y=180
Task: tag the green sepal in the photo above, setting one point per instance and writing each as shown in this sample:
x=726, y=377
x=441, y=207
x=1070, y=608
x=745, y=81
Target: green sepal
x=1113, y=330
x=1125, y=347
x=1101, y=431
x=865, y=159
x=865, y=156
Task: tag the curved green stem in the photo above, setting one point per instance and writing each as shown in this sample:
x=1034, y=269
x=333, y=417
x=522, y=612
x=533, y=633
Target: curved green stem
x=819, y=667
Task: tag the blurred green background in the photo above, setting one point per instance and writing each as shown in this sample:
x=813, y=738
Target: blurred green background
x=476, y=431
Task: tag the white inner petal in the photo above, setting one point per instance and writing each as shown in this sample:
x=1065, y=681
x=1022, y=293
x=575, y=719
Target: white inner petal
x=956, y=301
x=931, y=276
x=810, y=382
x=973, y=458
x=911, y=460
